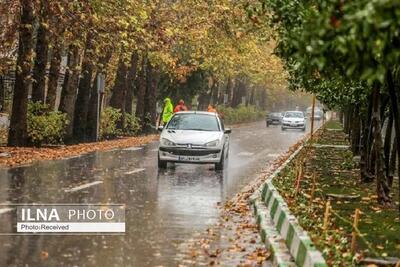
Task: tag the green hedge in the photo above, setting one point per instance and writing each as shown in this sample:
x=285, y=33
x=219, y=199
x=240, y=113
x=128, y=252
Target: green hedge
x=240, y=114
x=44, y=125
x=109, y=120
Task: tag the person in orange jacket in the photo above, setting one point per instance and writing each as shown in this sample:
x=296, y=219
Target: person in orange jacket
x=211, y=108
x=181, y=106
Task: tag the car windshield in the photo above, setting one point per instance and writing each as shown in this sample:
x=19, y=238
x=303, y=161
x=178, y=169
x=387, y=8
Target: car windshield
x=294, y=115
x=195, y=122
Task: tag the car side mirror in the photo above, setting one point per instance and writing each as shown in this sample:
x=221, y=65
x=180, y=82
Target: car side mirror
x=160, y=128
x=228, y=131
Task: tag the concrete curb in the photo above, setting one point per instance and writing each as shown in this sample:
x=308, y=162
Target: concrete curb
x=272, y=211
x=272, y=239
x=331, y=146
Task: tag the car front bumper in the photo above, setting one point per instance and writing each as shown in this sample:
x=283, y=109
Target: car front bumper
x=293, y=125
x=187, y=155
x=273, y=121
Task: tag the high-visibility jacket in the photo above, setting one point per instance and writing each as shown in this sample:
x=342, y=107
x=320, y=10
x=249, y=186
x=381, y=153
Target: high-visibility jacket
x=168, y=110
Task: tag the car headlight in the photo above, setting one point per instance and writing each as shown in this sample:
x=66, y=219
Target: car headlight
x=212, y=143
x=166, y=142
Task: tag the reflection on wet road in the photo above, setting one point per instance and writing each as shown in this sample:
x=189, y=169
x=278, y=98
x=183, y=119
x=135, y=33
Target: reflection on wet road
x=162, y=208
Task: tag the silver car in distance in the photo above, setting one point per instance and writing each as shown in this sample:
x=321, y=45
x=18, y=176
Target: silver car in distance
x=194, y=137
x=293, y=120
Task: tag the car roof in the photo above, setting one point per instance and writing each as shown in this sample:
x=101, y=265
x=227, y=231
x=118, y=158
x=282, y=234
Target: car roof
x=197, y=112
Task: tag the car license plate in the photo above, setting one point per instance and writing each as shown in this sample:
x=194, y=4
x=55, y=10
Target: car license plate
x=293, y=124
x=186, y=158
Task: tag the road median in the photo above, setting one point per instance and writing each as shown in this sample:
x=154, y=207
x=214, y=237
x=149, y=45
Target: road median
x=278, y=225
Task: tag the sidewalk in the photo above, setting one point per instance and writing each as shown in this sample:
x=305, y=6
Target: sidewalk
x=14, y=156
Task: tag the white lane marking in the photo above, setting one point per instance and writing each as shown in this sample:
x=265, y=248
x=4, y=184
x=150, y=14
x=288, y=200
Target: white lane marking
x=245, y=154
x=5, y=210
x=273, y=155
x=154, y=150
x=135, y=171
x=80, y=187
x=133, y=148
x=73, y=157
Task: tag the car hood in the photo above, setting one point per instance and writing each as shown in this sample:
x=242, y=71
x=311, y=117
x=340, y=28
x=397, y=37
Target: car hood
x=293, y=119
x=274, y=117
x=191, y=137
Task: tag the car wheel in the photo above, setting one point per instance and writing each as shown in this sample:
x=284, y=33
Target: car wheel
x=267, y=124
x=162, y=164
x=304, y=129
x=220, y=165
x=283, y=128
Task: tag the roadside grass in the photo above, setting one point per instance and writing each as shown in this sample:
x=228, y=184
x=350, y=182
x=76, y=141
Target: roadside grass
x=332, y=134
x=333, y=124
x=335, y=173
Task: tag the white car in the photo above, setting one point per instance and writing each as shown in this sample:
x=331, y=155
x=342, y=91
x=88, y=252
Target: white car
x=294, y=120
x=194, y=137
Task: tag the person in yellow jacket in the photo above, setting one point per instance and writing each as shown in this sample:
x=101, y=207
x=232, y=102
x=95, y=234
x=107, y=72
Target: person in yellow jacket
x=168, y=110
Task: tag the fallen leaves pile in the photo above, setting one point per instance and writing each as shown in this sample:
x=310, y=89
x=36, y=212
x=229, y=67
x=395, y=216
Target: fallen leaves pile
x=13, y=156
x=235, y=240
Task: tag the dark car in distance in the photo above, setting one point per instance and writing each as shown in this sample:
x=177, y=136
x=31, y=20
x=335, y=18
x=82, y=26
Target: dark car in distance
x=273, y=118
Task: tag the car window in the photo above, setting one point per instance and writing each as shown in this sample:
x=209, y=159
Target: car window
x=196, y=122
x=222, y=125
x=294, y=115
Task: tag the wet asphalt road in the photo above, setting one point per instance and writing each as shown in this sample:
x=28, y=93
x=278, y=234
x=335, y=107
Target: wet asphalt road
x=163, y=208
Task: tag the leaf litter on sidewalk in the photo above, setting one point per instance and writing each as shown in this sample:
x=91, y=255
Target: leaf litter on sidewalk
x=235, y=239
x=14, y=156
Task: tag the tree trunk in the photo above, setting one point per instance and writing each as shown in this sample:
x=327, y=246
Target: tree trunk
x=42, y=51
x=18, y=134
x=203, y=101
x=2, y=94
x=83, y=96
x=68, y=93
x=214, y=93
x=252, y=96
x=119, y=91
x=388, y=144
x=365, y=173
x=392, y=164
x=54, y=74
x=384, y=104
x=263, y=100
x=141, y=92
x=395, y=109
x=95, y=99
x=131, y=83
x=382, y=188
x=355, y=136
x=370, y=142
x=151, y=98
x=348, y=119
x=238, y=92
x=224, y=91
x=230, y=92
